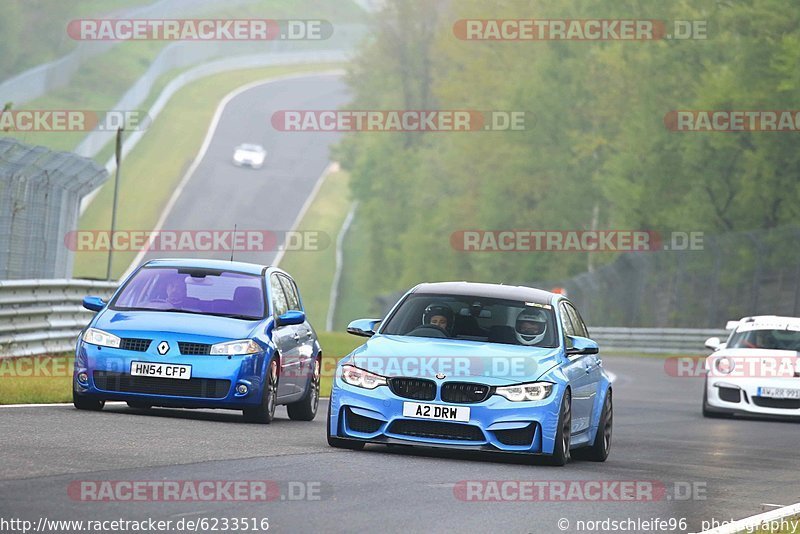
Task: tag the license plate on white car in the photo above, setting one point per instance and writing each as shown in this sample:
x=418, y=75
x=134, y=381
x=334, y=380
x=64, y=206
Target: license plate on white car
x=161, y=370
x=436, y=411
x=779, y=393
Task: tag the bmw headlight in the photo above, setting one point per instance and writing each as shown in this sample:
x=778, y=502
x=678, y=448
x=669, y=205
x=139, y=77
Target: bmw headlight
x=232, y=348
x=532, y=391
x=100, y=338
x=361, y=378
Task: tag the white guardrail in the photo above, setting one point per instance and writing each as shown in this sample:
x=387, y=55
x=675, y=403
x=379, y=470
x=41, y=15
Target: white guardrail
x=45, y=316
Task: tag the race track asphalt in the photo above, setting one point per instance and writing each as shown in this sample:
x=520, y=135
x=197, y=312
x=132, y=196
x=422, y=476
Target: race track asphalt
x=220, y=196
x=735, y=467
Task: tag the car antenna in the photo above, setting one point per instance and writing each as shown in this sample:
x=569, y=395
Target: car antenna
x=233, y=241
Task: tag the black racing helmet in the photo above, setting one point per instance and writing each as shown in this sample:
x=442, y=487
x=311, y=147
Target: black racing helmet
x=438, y=308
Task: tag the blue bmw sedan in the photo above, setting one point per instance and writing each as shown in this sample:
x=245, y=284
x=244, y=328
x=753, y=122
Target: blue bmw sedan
x=201, y=334
x=477, y=367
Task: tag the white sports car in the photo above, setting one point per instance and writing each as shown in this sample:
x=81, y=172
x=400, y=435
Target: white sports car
x=249, y=155
x=756, y=371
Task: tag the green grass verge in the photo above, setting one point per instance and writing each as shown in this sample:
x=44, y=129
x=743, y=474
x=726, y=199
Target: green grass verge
x=155, y=166
x=313, y=270
x=355, y=299
x=100, y=83
x=48, y=379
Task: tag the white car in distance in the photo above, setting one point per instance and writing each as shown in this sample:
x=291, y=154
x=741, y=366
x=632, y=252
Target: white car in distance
x=756, y=371
x=249, y=155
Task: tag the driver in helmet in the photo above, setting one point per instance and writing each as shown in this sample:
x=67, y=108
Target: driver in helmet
x=440, y=315
x=531, y=326
x=176, y=293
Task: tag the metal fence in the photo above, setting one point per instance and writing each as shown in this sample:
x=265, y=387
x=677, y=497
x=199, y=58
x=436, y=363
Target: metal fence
x=44, y=316
x=40, y=193
x=735, y=275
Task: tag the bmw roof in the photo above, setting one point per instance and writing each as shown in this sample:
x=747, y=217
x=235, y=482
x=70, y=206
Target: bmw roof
x=500, y=291
x=235, y=266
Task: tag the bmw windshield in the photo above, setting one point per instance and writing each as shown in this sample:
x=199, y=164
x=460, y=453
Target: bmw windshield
x=193, y=290
x=474, y=318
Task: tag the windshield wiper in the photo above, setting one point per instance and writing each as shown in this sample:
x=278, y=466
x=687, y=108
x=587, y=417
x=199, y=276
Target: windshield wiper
x=193, y=312
x=236, y=316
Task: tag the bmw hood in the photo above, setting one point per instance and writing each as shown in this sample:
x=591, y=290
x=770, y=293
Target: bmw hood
x=142, y=323
x=419, y=357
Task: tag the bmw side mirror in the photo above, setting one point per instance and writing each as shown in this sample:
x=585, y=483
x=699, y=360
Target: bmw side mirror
x=713, y=343
x=581, y=345
x=290, y=317
x=363, y=327
x=94, y=304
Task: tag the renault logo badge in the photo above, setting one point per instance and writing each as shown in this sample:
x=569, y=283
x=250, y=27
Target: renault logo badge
x=163, y=348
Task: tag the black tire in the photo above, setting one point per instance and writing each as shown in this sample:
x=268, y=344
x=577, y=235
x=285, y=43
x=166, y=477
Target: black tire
x=561, y=452
x=264, y=413
x=306, y=408
x=340, y=443
x=598, y=451
x=708, y=411
x=139, y=405
x=87, y=403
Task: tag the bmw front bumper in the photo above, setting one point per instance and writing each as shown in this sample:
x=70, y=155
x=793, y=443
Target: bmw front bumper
x=495, y=424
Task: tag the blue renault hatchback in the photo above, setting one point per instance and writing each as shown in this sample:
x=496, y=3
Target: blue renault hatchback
x=201, y=334
x=478, y=367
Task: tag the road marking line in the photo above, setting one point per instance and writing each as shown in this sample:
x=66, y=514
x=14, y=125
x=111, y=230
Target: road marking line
x=332, y=167
x=52, y=404
x=749, y=523
x=57, y=404
x=204, y=148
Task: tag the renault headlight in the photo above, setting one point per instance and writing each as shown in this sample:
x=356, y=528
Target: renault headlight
x=361, y=378
x=233, y=348
x=532, y=391
x=100, y=338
